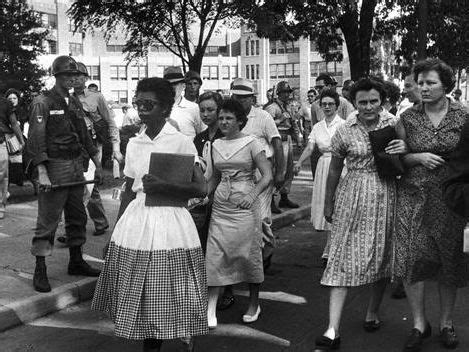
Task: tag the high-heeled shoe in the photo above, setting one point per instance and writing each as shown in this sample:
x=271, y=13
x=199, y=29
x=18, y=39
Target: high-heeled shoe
x=212, y=322
x=252, y=318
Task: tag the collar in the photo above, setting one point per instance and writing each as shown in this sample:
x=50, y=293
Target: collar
x=167, y=129
x=252, y=112
x=336, y=120
x=452, y=106
x=183, y=102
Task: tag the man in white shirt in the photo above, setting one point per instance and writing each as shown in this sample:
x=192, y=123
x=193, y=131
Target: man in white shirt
x=185, y=114
x=261, y=125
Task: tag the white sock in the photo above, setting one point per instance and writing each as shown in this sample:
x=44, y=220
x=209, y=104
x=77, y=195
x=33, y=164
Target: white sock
x=330, y=333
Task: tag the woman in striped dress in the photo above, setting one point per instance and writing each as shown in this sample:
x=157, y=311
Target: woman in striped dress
x=362, y=216
x=153, y=283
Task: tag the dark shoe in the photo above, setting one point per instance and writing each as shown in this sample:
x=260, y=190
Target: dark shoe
x=152, y=345
x=398, y=292
x=415, y=339
x=324, y=343
x=448, y=338
x=82, y=268
x=371, y=326
x=100, y=232
x=40, y=280
x=274, y=209
x=188, y=344
x=287, y=203
x=225, y=302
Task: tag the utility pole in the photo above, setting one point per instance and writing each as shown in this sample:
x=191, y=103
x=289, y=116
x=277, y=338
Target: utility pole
x=422, y=29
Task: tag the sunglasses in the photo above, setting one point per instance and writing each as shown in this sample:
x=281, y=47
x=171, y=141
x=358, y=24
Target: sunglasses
x=325, y=105
x=146, y=104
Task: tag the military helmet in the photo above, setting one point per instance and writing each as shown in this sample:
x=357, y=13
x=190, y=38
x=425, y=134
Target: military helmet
x=82, y=68
x=64, y=64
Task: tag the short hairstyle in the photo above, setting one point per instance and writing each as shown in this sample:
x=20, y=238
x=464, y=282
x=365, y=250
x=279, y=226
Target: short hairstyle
x=162, y=89
x=445, y=72
x=216, y=97
x=312, y=90
x=328, y=80
x=270, y=90
x=236, y=108
x=330, y=93
x=367, y=84
x=393, y=92
x=13, y=91
x=348, y=83
x=92, y=85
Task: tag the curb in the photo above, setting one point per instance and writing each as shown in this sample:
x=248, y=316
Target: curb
x=31, y=308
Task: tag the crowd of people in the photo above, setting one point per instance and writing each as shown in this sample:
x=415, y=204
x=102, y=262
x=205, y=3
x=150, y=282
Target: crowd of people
x=390, y=187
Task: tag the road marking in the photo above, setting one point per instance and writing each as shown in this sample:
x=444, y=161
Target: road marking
x=278, y=296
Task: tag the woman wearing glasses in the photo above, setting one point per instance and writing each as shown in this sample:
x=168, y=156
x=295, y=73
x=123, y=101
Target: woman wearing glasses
x=320, y=138
x=153, y=283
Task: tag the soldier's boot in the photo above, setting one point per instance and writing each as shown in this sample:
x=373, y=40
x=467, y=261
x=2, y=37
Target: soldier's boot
x=40, y=280
x=77, y=266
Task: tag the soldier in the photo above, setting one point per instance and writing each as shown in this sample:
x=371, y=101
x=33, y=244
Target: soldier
x=289, y=130
x=56, y=141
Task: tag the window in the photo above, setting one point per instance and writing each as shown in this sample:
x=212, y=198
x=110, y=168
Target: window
x=288, y=70
x=225, y=72
x=71, y=25
x=118, y=73
x=119, y=96
x=257, y=47
x=138, y=72
x=159, y=49
x=48, y=20
x=280, y=71
x=273, y=71
x=93, y=71
x=211, y=51
x=234, y=72
x=296, y=70
x=210, y=72
x=280, y=48
x=112, y=48
x=273, y=46
x=50, y=46
x=253, y=72
x=313, y=45
x=75, y=49
x=213, y=72
x=257, y=71
x=253, y=47
x=247, y=47
x=248, y=72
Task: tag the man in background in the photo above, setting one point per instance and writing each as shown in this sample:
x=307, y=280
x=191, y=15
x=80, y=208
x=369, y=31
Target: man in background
x=193, y=84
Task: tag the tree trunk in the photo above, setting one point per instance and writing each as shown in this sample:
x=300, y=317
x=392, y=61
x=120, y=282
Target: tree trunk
x=195, y=62
x=422, y=29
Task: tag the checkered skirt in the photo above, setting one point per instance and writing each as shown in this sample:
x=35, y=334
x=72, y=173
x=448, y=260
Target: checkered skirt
x=152, y=291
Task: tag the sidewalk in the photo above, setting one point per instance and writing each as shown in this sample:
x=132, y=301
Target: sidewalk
x=19, y=303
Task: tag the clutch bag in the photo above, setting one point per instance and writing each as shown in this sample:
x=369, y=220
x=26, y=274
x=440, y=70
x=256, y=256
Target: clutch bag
x=12, y=143
x=387, y=165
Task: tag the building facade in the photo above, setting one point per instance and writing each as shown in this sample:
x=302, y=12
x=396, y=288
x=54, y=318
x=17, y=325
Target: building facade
x=268, y=62
x=107, y=65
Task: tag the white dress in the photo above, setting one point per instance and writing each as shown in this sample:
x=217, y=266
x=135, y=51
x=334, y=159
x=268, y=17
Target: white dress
x=153, y=282
x=320, y=137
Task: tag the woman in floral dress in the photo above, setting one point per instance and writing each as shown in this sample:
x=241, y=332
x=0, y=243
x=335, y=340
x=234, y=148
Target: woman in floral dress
x=428, y=234
x=362, y=214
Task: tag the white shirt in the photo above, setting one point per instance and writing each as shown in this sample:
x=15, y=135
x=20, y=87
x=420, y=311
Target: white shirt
x=262, y=126
x=140, y=147
x=321, y=134
x=186, y=114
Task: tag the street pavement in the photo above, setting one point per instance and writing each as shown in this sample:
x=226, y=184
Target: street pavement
x=294, y=305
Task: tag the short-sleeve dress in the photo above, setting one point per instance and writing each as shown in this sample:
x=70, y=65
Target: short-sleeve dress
x=360, y=249
x=429, y=238
x=234, y=244
x=153, y=282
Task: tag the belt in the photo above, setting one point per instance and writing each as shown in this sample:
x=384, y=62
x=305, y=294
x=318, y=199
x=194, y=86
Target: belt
x=229, y=179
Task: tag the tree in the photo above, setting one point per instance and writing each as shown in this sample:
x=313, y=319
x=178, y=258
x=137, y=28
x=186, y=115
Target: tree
x=329, y=23
x=21, y=38
x=166, y=23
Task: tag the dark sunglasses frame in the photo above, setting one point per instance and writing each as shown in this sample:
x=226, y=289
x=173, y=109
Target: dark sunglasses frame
x=147, y=104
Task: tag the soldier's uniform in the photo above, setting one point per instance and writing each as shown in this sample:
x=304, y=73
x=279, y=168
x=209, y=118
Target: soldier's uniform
x=57, y=138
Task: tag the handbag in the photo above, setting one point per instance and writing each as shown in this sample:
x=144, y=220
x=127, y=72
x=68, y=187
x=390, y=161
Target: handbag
x=12, y=143
x=387, y=165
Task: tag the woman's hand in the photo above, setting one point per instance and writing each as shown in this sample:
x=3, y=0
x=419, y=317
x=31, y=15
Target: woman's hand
x=246, y=202
x=152, y=183
x=430, y=161
x=328, y=211
x=396, y=146
x=297, y=168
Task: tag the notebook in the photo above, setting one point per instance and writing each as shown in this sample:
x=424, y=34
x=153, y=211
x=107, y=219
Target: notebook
x=173, y=168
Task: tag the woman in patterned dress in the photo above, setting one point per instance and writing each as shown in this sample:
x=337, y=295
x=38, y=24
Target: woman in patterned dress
x=153, y=282
x=361, y=211
x=428, y=235
x=234, y=246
